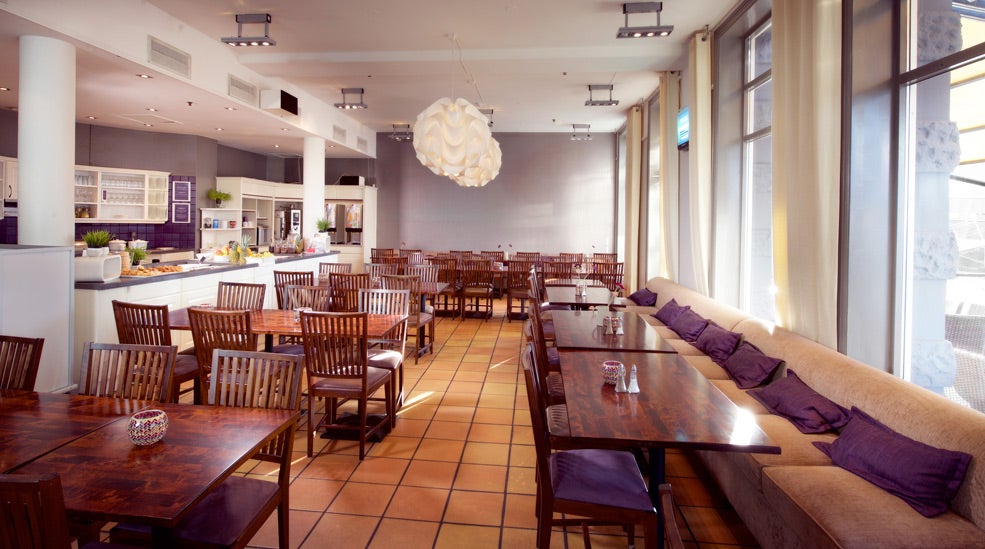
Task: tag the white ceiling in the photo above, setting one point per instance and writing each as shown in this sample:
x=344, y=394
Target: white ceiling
x=530, y=61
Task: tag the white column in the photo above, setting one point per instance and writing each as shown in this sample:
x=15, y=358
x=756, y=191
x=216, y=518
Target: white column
x=314, y=185
x=46, y=142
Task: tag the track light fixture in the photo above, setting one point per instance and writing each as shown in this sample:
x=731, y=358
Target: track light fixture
x=643, y=32
x=592, y=102
x=585, y=136
x=346, y=104
x=251, y=19
x=401, y=132
x=488, y=112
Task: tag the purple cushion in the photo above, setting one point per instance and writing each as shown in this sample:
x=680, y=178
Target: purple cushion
x=923, y=476
x=717, y=342
x=643, y=297
x=668, y=313
x=689, y=325
x=810, y=412
x=749, y=367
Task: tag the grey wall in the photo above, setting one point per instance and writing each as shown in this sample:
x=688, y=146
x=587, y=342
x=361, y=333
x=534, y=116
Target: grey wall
x=238, y=163
x=552, y=194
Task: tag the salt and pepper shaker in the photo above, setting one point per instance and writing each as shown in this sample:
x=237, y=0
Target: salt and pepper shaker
x=634, y=386
x=621, y=380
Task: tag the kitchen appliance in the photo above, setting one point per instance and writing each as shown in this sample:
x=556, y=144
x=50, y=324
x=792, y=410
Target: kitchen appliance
x=288, y=223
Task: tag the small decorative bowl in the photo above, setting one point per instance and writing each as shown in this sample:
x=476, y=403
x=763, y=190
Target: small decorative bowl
x=147, y=427
x=610, y=371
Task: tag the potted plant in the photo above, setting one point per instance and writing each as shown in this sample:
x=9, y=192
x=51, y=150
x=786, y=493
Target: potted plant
x=323, y=225
x=136, y=255
x=97, y=243
x=218, y=196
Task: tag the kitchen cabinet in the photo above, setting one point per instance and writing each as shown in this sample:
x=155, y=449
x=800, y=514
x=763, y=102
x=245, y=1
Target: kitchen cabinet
x=114, y=195
x=353, y=210
x=10, y=179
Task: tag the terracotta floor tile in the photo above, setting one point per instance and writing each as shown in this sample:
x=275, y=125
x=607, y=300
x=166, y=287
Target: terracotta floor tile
x=521, y=416
x=435, y=385
x=416, y=503
x=486, y=453
x=500, y=377
x=309, y=494
x=429, y=474
x=479, y=508
x=411, y=428
x=417, y=411
x=357, y=498
x=433, y=374
x=330, y=467
x=474, y=367
x=440, y=450
x=460, y=399
x=499, y=388
x=451, y=430
x=515, y=537
x=486, y=432
x=454, y=413
x=521, y=480
x=416, y=397
x=520, y=511
x=405, y=534
x=522, y=435
x=463, y=375
x=380, y=470
x=494, y=415
x=497, y=401
x=395, y=447
x=523, y=456
x=481, y=478
x=457, y=536
x=341, y=531
x=301, y=523
x=473, y=387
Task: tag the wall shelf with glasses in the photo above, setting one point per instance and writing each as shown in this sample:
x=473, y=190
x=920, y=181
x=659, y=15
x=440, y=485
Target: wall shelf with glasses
x=113, y=195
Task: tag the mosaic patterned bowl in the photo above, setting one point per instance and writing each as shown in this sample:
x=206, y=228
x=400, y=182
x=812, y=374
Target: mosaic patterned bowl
x=147, y=427
x=610, y=371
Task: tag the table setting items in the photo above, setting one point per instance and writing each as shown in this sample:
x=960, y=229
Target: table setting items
x=621, y=384
x=610, y=371
x=298, y=311
x=147, y=427
x=612, y=325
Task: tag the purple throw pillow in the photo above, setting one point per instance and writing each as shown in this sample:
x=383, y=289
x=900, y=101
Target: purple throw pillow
x=717, y=342
x=669, y=312
x=810, y=412
x=643, y=297
x=689, y=325
x=749, y=367
x=923, y=476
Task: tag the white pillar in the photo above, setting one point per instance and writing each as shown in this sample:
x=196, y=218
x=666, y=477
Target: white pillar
x=314, y=185
x=46, y=142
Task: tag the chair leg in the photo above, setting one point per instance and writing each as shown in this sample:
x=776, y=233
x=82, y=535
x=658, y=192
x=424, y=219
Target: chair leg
x=362, y=428
x=311, y=426
x=283, y=525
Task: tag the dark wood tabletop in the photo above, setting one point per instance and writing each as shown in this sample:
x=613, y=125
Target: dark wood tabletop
x=579, y=330
x=281, y=322
x=106, y=478
x=565, y=295
x=33, y=424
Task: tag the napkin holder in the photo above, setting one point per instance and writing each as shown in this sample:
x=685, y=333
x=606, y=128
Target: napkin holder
x=104, y=268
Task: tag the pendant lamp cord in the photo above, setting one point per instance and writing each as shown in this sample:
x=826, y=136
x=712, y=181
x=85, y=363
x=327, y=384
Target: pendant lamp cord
x=458, y=50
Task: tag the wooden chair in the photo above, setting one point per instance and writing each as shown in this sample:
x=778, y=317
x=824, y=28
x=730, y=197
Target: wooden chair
x=477, y=286
x=240, y=295
x=216, y=329
x=492, y=255
x=668, y=510
x=377, y=270
x=325, y=269
x=392, y=348
x=336, y=357
x=604, y=257
x=448, y=273
x=32, y=514
x=517, y=287
x=317, y=298
x=572, y=257
x=427, y=273
x=234, y=511
x=122, y=370
x=526, y=256
x=283, y=278
x=20, y=358
x=375, y=253
x=139, y=324
x=419, y=321
x=597, y=486
x=345, y=290
x=547, y=367
x=400, y=261
x=558, y=270
x=608, y=274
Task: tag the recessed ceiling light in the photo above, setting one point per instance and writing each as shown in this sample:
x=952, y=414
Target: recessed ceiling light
x=149, y=125
x=4, y=89
x=142, y=75
x=230, y=108
x=91, y=117
x=218, y=129
x=285, y=129
x=276, y=146
x=331, y=146
x=151, y=109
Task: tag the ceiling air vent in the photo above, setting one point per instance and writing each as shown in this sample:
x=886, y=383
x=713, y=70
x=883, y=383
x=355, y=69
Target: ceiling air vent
x=361, y=143
x=242, y=90
x=338, y=134
x=168, y=57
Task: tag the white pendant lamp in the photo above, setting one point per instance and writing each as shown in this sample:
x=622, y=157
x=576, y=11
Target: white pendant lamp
x=452, y=139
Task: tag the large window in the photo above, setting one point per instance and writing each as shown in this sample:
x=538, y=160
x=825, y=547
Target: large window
x=943, y=202
x=757, y=286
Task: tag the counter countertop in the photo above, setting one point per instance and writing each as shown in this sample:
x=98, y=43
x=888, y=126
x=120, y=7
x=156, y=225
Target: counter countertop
x=216, y=268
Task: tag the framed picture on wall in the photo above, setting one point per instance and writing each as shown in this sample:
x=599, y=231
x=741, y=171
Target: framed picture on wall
x=181, y=213
x=181, y=191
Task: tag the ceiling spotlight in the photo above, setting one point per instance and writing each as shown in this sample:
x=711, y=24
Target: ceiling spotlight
x=346, y=104
x=250, y=19
x=488, y=112
x=585, y=136
x=643, y=32
x=592, y=102
x=401, y=132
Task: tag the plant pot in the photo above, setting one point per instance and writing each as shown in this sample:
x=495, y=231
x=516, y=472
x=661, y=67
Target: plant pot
x=95, y=252
x=218, y=203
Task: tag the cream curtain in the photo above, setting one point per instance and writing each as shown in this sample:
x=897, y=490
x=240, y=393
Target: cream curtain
x=670, y=177
x=634, y=151
x=806, y=159
x=699, y=185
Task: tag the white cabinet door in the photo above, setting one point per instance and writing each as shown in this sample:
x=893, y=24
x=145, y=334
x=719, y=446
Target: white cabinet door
x=10, y=180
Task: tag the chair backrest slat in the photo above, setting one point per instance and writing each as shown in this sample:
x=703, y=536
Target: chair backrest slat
x=318, y=298
x=20, y=358
x=335, y=344
x=345, y=290
x=283, y=278
x=32, y=512
x=123, y=370
x=240, y=295
x=328, y=268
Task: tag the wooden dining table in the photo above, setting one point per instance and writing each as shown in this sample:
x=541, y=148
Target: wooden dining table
x=677, y=407
x=271, y=322
x=105, y=477
x=580, y=330
x=565, y=295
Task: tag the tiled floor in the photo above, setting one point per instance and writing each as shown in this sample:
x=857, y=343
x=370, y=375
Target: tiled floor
x=458, y=470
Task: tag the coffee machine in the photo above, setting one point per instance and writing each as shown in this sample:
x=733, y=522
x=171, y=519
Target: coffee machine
x=288, y=223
